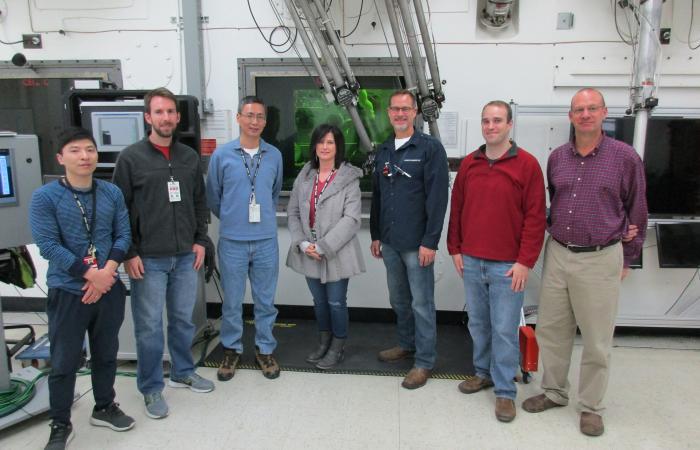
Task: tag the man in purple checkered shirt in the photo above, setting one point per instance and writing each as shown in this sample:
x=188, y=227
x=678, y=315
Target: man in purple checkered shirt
x=597, y=190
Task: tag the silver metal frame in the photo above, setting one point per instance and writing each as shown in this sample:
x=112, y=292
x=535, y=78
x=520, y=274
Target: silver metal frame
x=104, y=69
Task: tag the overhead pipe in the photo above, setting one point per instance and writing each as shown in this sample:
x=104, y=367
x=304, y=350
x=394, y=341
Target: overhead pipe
x=309, y=48
x=343, y=95
x=644, y=88
x=429, y=51
x=429, y=107
x=335, y=42
x=400, y=49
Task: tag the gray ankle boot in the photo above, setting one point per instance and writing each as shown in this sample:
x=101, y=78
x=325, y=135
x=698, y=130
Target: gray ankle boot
x=324, y=341
x=334, y=355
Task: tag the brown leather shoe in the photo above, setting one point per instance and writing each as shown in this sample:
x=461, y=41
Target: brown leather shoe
x=591, y=424
x=394, y=354
x=416, y=378
x=539, y=403
x=505, y=409
x=227, y=369
x=268, y=365
x=474, y=384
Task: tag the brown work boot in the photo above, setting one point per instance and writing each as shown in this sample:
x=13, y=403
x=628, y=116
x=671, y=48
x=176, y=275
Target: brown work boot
x=505, y=409
x=474, y=384
x=591, y=424
x=416, y=378
x=394, y=354
x=539, y=403
x=268, y=365
x=227, y=369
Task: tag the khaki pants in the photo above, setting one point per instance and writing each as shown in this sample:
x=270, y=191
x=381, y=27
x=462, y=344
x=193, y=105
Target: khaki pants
x=578, y=289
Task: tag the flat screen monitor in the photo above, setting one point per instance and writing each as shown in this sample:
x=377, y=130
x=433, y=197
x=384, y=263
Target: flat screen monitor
x=7, y=182
x=678, y=245
x=672, y=167
x=115, y=130
x=671, y=163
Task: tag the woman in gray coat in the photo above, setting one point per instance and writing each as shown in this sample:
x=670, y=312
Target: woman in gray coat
x=324, y=218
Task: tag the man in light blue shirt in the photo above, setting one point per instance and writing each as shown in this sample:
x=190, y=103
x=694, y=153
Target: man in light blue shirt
x=243, y=187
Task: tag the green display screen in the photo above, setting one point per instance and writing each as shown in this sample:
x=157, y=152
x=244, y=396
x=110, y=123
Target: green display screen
x=295, y=106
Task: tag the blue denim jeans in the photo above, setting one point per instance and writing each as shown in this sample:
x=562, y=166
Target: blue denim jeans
x=168, y=282
x=330, y=305
x=259, y=261
x=411, y=294
x=494, y=316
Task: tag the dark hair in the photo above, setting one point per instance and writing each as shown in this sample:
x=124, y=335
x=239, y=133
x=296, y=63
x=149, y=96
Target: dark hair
x=73, y=134
x=502, y=104
x=405, y=92
x=249, y=99
x=318, y=134
x=158, y=92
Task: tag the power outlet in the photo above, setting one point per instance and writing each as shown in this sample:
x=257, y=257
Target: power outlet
x=32, y=40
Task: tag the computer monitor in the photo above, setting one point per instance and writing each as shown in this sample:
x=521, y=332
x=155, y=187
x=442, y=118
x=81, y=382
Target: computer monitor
x=671, y=163
x=678, y=245
x=8, y=194
x=113, y=131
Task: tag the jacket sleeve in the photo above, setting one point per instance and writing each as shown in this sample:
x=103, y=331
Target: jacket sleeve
x=200, y=208
x=454, y=229
x=122, y=178
x=534, y=220
x=121, y=229
x=375, y=209
x=437, y=180
x=47, y=236
x=348, y=225
x=294, y=216
x=635, y=204
x=214, y=184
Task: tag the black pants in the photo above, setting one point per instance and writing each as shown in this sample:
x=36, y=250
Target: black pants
x=69, y=319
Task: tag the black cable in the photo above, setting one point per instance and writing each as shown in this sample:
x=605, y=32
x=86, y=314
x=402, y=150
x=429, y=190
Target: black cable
x=289, y=41
x=293, y=46
x=617, y=26
x=690, y=27
x=359, y=16
x=11, y=43
x=381, y=23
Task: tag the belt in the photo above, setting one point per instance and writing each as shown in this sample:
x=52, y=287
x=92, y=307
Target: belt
x=590, y=248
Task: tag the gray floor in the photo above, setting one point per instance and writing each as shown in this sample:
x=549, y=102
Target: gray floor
x=653, y=403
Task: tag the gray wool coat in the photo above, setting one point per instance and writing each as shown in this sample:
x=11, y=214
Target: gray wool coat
x=337, y=224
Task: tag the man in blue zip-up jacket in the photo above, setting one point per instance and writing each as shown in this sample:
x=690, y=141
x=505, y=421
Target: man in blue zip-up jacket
x=409, y=201
x=81, y=227
x=163, y=188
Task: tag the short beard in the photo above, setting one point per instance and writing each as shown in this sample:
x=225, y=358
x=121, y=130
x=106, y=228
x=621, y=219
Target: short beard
x=161, y=134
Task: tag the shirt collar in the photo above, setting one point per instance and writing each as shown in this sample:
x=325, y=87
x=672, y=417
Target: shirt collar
x=511, y=153
x=599, y=146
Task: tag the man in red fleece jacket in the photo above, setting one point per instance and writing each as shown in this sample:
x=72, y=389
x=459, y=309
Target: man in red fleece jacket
x=496, y=230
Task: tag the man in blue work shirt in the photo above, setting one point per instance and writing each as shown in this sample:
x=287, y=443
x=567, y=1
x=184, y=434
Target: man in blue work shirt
x=81, y=227
x=243, y=187
x=409, y=202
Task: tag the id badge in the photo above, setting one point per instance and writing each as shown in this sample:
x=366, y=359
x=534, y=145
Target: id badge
x=90, y=261
x=174, y=191
x=254, y=212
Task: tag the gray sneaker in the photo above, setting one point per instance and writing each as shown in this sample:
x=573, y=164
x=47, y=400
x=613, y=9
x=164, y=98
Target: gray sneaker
x=112, y=417
x=61, y=435
x=156, y=408
x=194, y=382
